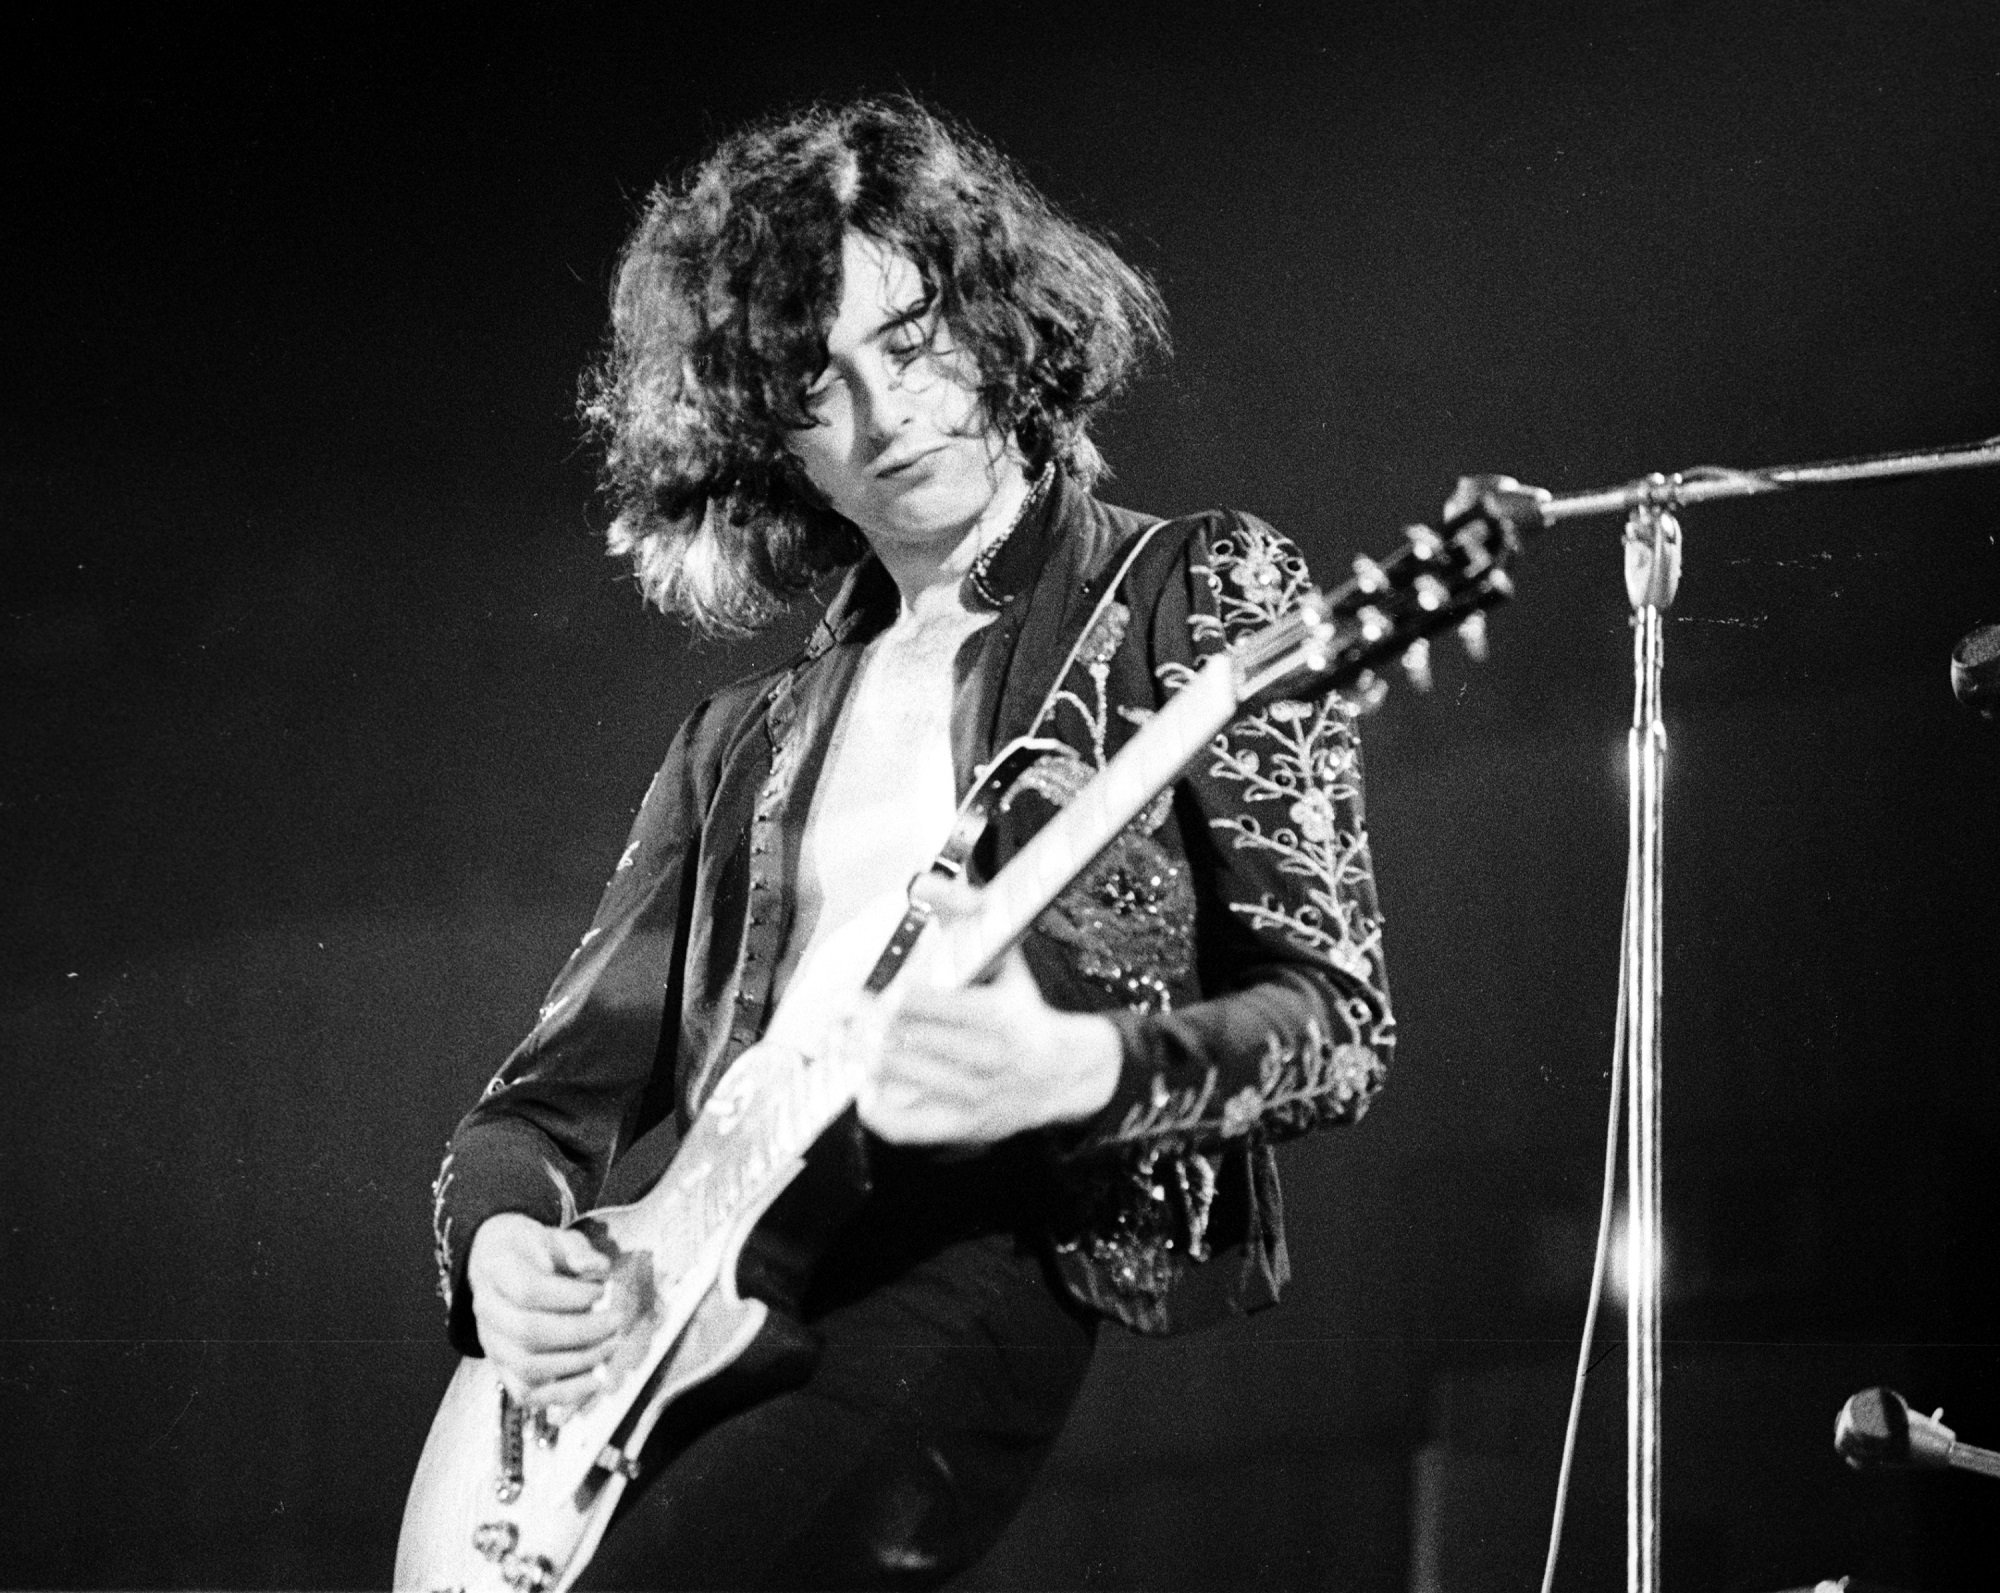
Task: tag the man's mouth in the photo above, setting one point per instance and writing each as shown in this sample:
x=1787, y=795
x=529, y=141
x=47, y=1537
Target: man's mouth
x=899, y=463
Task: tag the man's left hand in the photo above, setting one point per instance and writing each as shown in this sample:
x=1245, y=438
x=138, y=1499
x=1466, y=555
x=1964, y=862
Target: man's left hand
x=978, y=1065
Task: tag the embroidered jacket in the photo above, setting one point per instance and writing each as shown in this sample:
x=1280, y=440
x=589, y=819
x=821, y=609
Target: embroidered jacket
x=1231, y=932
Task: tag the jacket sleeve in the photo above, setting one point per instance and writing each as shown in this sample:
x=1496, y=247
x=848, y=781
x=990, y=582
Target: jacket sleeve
x=1289, y=1025
x=1294, y=1030
x=543, y=1135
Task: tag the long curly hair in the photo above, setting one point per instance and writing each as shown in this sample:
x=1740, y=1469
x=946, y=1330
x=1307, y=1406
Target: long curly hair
x=719, y=317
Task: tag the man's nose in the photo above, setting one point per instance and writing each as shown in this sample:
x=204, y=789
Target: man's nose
x=882, y=400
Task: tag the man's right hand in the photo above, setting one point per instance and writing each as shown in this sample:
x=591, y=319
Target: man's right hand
x=539, y=1295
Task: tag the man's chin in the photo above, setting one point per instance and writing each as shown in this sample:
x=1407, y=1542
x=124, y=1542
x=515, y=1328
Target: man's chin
x=927, y=515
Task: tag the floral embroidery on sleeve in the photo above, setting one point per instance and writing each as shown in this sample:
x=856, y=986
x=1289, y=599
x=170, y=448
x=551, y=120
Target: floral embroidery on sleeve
x=1297, y=1084
x=441, y=1229
x=1299, y=760
x=1300, y=763
x=1256, y=578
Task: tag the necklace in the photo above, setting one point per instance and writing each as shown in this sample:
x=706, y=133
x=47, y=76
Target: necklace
x=977, y=575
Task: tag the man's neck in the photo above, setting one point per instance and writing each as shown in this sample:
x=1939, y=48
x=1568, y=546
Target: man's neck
x=931, y=580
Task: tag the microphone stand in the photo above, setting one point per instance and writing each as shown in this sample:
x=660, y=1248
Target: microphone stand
x=1652, y=576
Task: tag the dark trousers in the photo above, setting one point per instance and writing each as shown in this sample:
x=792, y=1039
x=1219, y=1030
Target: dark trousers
x=949, y=1362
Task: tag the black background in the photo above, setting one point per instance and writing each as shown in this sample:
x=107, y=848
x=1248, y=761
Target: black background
x=325, y=715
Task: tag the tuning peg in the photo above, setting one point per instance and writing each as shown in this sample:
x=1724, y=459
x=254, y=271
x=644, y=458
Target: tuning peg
x=1417, y=663
x=1366, y=692
x=1472, y=633
x=1424, y=542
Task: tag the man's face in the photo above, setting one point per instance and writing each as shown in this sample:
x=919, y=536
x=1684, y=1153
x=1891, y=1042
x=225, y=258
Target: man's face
x=899, y=444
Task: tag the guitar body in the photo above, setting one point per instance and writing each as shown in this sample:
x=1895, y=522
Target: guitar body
x=467, y=1529
x=707, y=1269
x=504, y=1503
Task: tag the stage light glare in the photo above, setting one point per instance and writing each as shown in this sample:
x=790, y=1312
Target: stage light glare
x=1634, y=1262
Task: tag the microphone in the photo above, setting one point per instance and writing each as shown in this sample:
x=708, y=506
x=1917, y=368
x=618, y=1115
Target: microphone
x=1875, y=1428
x=1975, y=671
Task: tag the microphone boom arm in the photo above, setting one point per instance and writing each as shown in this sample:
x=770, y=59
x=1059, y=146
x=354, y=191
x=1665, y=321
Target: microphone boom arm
x=1705, y=482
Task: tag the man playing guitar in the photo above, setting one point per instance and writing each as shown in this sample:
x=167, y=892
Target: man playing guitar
x=854, y=340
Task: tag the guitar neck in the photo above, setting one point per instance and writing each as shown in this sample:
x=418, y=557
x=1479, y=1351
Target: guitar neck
x=1171, y=739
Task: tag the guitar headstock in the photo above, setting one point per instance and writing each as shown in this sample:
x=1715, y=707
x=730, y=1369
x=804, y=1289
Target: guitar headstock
x=1389, y=609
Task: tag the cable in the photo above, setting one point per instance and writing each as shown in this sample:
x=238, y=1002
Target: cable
x=1599, y=1264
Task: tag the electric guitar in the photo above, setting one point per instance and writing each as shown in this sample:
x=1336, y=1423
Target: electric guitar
x=506, y=1501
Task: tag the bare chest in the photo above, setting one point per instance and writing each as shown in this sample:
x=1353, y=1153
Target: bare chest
x=886, y=794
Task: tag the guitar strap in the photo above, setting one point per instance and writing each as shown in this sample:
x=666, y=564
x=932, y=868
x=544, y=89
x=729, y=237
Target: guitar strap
x=993, y=781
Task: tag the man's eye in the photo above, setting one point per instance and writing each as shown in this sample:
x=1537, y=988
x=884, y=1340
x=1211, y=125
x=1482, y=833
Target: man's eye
x=913, y=334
